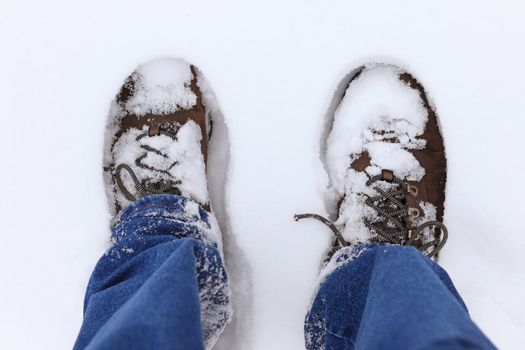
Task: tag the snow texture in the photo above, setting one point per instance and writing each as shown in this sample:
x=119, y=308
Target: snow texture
x=161, y=86
x=276, y=68
x=182, y=159
x=376, y=106
x=214, y=297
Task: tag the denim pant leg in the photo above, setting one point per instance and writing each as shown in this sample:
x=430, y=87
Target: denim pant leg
x=162, y=285
x=389, y=297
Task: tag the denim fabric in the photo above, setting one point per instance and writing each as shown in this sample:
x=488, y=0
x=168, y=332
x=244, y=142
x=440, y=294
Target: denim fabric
x=162, y=285
x=161, y=275
x=389, y=297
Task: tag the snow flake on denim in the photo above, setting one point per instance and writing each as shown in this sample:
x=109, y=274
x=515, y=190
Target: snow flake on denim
x=315, y=328
x=169, y=215
x=340, y=258
x=214, y=293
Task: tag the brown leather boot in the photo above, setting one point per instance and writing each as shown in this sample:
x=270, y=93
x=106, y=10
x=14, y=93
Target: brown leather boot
x=386, y=163
x=157, y=135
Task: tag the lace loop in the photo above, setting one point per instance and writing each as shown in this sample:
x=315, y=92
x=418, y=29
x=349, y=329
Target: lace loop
x=168, y=184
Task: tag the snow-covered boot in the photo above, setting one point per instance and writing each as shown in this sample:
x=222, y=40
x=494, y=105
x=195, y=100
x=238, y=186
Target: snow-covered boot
x=157, y=135
x=386, y=163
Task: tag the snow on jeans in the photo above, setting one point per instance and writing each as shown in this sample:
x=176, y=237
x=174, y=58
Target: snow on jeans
x=389, y=297
x=162, y=285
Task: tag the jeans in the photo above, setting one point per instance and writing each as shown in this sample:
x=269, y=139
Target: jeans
x=162, y=285
x=389, y=297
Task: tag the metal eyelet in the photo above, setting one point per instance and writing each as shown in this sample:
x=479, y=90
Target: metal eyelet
x=412, y=190
x=413, y=213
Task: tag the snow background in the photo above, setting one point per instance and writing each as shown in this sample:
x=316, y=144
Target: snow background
x=274, y=66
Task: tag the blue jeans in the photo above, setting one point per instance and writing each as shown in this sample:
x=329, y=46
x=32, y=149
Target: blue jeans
x=163, y=285
x=389, y=297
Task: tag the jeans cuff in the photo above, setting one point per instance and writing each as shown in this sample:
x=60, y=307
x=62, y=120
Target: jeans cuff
x=166, y=214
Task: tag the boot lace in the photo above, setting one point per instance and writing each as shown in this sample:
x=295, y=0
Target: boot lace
x=167, y=184
x=390, y=224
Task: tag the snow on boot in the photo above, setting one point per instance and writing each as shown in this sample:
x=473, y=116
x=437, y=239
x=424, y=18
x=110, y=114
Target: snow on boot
x=386, y=163
x=157, y=135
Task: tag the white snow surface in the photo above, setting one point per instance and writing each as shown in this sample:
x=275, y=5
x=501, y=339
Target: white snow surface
x=274, y=67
